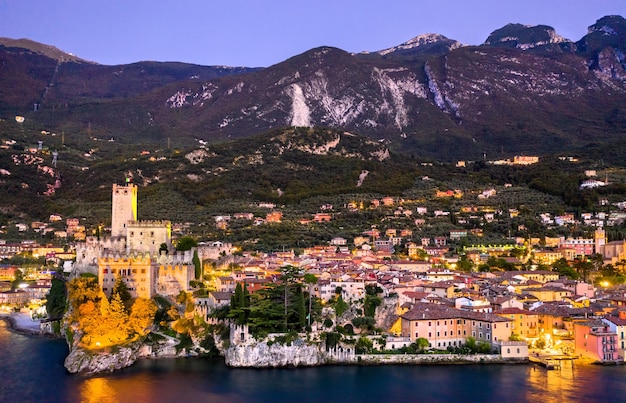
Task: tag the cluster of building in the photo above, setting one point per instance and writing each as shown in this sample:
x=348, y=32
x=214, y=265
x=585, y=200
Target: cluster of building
x=444, y=306
x=432, y=299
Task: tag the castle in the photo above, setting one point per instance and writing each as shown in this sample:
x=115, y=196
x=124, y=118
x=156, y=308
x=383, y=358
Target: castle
x=138, y=252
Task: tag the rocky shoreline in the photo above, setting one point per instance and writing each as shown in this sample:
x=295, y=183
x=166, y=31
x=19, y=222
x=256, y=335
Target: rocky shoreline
x=252, y=356
x=17, y=325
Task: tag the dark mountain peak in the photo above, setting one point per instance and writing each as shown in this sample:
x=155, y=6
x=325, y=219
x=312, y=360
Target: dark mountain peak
x=40, y=48
x=525, y=37
x=609, y=25
x=607, y=32
x=319, y=55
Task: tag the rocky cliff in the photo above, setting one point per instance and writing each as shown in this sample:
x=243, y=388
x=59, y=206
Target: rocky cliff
x=87, y=362
x=82, y=361
x=262, y=355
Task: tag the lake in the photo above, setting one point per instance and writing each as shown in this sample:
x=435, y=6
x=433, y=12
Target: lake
x=32, y=371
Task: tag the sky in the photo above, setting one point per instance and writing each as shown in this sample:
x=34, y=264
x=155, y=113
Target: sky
x=260, y=33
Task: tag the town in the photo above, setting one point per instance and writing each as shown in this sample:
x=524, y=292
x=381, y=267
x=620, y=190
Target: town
x=385, y=289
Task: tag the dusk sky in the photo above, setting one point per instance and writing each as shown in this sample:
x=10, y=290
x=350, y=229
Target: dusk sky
x=264, y=32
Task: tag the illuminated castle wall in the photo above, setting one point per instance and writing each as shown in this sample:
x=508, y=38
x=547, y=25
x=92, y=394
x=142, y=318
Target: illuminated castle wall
x=146, y=275
x=147, y=236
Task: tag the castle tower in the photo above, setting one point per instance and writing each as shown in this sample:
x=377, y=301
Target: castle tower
x=124, y=208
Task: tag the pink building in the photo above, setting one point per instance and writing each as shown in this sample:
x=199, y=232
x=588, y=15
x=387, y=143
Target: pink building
x=581, y=246
x=595, y=340
x=444, y=326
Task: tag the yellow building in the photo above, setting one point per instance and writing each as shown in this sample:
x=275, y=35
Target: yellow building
x=146, y=275
x=136, y=272
x=525, y=324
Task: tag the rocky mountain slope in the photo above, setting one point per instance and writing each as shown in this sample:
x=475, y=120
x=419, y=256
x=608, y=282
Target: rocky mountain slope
x=525, y=90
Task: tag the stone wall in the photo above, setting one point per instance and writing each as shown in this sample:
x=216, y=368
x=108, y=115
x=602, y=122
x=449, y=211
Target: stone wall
x=414, y=359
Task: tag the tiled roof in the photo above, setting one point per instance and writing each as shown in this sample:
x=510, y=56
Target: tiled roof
x=425, y=311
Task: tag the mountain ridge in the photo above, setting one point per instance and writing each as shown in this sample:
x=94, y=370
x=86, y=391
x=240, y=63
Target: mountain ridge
x=429, y=96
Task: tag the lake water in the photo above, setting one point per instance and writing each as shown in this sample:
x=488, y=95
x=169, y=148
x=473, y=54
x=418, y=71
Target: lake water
x=32, y=371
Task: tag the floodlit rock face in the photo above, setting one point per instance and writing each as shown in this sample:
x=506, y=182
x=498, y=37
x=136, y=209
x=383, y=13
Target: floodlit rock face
x=82, y=361
x=260, y=355
x=87, y=362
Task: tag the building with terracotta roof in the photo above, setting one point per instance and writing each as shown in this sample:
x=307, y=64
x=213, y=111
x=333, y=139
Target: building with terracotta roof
x=446, y=327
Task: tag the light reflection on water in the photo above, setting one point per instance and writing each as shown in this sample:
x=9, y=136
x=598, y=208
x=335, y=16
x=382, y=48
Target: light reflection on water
x=32, y=371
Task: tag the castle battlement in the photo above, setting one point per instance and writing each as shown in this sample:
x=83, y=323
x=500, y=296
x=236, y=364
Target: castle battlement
x=177, y=257
x=115, y=257
x=149, y=223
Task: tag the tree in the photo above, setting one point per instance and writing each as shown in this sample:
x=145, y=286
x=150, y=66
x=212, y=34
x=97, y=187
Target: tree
x=340, y=306
x=142, y=315
x=289, y=275
x=422, y=343
x=310, y=280
x=583, y=267
x=197, y=265
x=464, y=264
x=121, y=290
x=19, y=279
x=364, y=345
x=372, y=300
x=240, y=304
x=186, y=243
x=55, y=301
x=364, y=323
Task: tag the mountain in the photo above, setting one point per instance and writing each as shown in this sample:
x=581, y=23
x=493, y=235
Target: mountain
x=283, y=166
x=525, y=37
x=422, y=45
x=36, y=47
x=525, y=90
x=36, y=73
